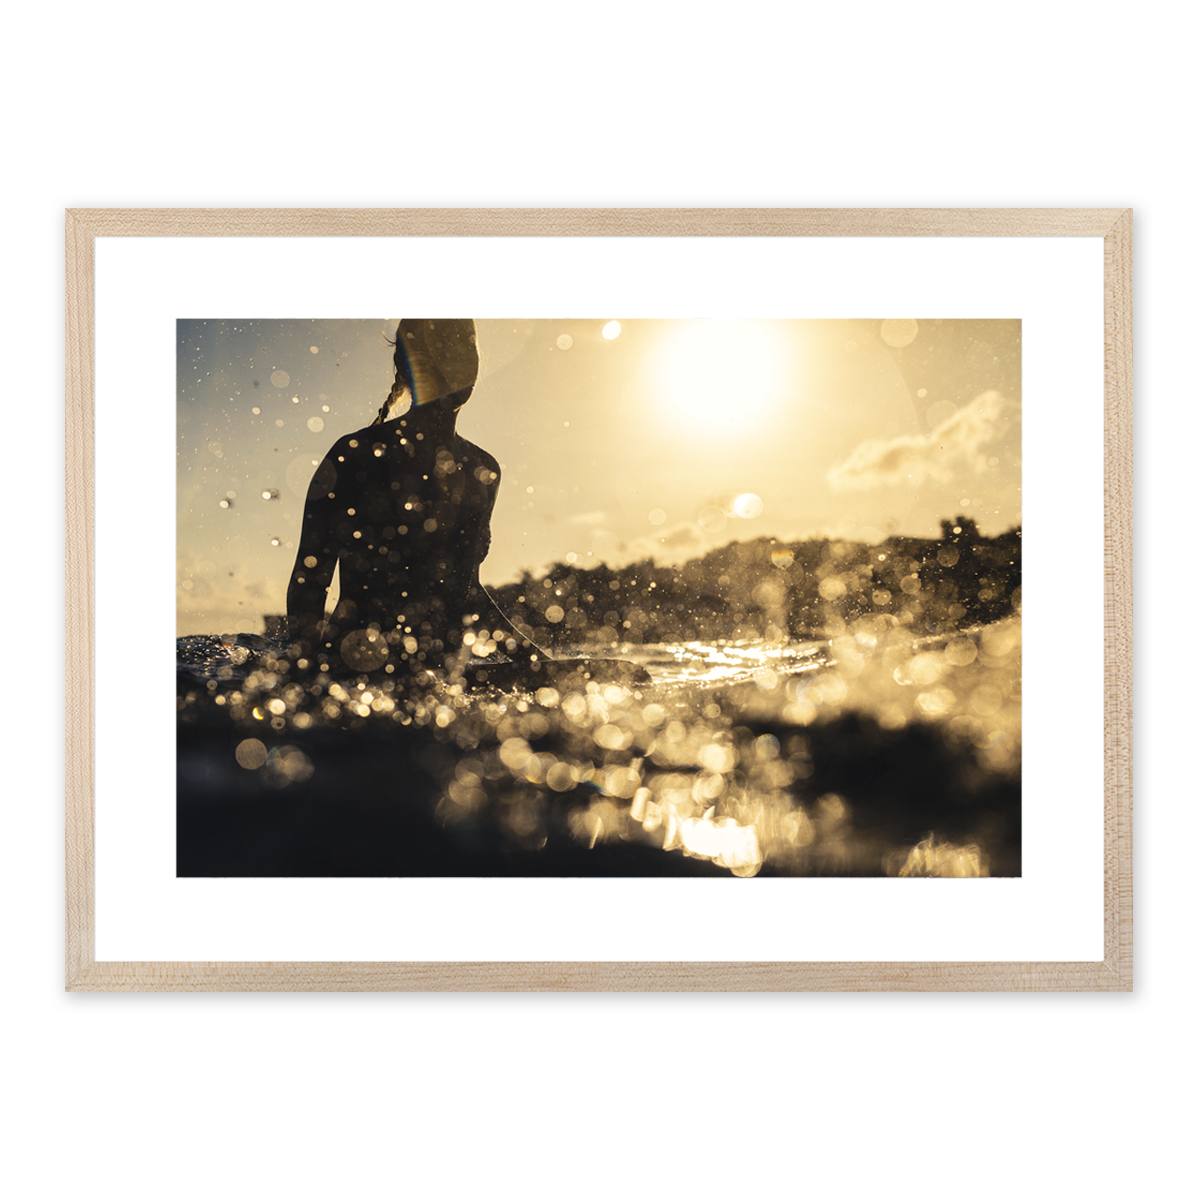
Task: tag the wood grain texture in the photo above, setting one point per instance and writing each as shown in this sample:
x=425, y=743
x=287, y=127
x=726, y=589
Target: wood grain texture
x=596, y=977
x=1118, y=598
x=613, y=222
x=79, y=560
x=83, y=973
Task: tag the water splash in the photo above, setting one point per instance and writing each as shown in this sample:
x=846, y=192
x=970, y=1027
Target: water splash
x=727, y=757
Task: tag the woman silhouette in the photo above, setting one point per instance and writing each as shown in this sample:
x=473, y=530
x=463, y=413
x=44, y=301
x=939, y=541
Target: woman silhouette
x=403, y=509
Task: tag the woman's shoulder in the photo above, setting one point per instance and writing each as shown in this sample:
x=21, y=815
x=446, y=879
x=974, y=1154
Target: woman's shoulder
x=349, y=443
x=479, y=462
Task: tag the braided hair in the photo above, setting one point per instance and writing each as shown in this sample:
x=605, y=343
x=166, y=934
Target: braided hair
x=403, y=382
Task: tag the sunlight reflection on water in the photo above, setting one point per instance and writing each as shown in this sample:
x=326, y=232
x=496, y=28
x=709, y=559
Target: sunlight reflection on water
x=806, y=758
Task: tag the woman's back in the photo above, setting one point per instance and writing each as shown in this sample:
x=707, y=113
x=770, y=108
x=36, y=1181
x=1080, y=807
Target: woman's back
x=409, y=521
x=403, y=510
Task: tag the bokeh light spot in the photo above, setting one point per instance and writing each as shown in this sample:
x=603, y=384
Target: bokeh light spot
x=748, y=505
x=250, y=754
x=898, y=333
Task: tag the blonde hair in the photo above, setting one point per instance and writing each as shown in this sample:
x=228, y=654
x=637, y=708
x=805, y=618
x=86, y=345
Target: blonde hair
x=433, y=358
x=394, y=397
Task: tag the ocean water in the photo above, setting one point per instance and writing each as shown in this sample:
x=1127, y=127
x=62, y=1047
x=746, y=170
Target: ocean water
x=873, y=753
x=237, y=656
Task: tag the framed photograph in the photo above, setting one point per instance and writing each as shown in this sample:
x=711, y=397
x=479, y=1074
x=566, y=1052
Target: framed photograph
x=656, y=600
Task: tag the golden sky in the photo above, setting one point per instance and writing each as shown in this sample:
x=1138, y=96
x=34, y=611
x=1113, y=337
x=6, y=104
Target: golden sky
x=618, y=439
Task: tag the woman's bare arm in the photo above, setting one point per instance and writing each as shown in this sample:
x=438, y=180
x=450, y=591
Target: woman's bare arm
x=316, y=557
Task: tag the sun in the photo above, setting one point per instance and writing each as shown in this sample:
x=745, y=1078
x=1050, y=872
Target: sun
x=721, y=377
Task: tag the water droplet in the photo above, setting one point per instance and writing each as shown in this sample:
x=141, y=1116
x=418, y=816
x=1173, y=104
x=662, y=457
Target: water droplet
x=316, y=424
x=657, y=516
x=748, y=505
x=313, y=350
x=561, y=777
x=270, y=494
x=898, y=333
x=250, y=754
x=961, y=652
x=565, y=341
x=611, y=330
x=280, y=378
x=276, y=542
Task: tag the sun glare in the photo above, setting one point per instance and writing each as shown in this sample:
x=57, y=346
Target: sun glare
x=722, y=377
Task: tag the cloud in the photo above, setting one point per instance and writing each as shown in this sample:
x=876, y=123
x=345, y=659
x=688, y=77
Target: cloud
x=672, y=546
x=954, y=445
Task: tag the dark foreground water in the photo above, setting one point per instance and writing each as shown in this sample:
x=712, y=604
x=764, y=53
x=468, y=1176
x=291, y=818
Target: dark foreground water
x=871, y=754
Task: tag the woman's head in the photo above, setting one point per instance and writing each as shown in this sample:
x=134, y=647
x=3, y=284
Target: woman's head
x=435, y=359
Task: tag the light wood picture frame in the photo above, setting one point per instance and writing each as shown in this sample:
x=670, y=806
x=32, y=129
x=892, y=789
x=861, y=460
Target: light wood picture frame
x=1114, y=972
